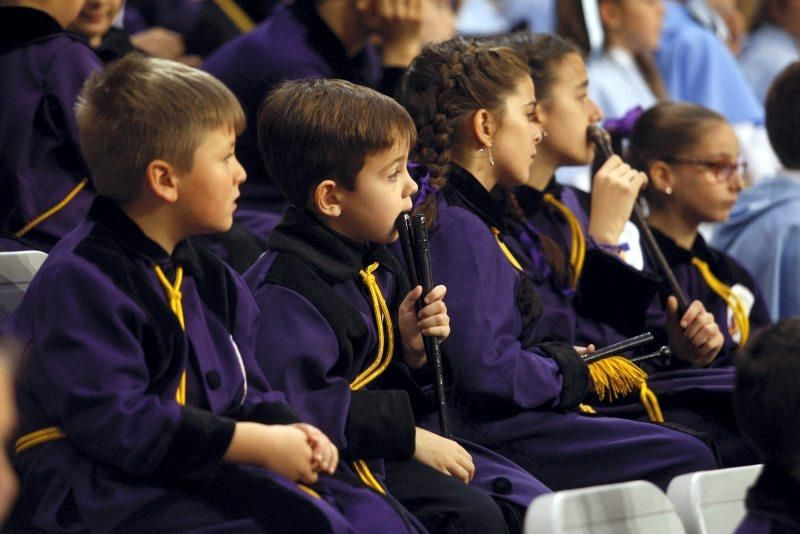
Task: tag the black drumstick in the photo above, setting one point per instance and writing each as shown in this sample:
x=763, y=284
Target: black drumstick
x=602, y=140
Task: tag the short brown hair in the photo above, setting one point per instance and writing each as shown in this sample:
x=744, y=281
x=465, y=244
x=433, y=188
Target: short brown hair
x=312, y=130
x=141, y=109
x=783, y=116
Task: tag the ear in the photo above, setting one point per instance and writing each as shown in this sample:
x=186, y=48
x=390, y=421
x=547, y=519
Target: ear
x=661, y=176
x=328, y=198
x=482, y=128
x=610, y=15
x=162, y=181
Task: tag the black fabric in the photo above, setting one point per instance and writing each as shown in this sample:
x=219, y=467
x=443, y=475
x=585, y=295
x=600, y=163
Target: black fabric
x=197, y=447
x=268, y=413
x=111, y=245
x=443, y=504
x=380, y=424
x=20, y=26
x=606, y=280
x=776, y=497
x=574, y=373
x=325, y=43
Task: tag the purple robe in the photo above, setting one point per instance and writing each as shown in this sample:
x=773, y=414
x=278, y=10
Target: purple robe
x=516, y=396
x=727, y=270
x=695, y=398
x=40, y=161
x=319, y=333
x=293, y=43
x=104, y=357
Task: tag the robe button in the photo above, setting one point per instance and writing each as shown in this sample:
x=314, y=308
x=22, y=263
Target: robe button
x=501, y=486
x=213, y=380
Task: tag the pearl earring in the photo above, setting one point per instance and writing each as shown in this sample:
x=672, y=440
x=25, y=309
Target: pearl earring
x=668, y=190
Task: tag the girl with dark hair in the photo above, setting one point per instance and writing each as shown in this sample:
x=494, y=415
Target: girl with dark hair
x=475, y=109
x=692, y=157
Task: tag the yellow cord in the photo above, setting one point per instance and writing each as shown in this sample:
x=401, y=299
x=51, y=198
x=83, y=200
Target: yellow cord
x=32, y=439
x=55, y=209
x=236, y=14
x=577, y=251
x=509, y=256
x=737, y=307
x=651, y=405
x=174, y=295
x=382, y=359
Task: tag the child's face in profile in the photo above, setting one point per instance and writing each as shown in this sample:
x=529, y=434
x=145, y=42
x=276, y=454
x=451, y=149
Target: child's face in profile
x=704, y=190
x=95, y=19
x=383, y=190
x=518, y=133
x=567, y=114
x=640, y=24
x=207, y=193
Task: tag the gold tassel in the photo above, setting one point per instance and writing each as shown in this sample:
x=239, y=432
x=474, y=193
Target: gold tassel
x=615, y=377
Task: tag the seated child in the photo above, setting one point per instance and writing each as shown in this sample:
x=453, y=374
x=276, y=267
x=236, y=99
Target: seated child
x=475, y=108
x=44, y=180
x=766, y=409
x=141, y=405
x=339, y=332
x=95, y=23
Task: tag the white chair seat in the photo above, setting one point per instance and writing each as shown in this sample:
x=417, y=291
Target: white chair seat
x=628, y=507
x=16, y=272
x=712, y=502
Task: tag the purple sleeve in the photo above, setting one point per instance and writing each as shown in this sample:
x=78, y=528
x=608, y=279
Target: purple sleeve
x=90, y=375
x=66, y=75
x=484, y=349
x=299, y=353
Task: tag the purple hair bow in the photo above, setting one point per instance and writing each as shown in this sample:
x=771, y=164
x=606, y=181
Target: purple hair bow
x=623, y=126
x=422, y=176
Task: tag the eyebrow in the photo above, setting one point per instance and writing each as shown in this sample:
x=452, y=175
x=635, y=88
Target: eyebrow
x=393, y=162
x=583, y=85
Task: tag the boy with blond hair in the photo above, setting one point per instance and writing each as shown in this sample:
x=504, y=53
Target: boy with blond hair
x=141, y=405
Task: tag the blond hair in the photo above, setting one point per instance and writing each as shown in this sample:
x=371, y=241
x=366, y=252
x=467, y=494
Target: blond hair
x=141, y=109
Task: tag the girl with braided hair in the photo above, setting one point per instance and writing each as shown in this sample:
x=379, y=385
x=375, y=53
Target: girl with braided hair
x=475, y=109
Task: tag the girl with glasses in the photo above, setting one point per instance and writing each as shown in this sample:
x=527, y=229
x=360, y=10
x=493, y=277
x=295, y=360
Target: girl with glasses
x=691, y=155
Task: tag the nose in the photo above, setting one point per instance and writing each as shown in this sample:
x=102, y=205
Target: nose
x=239, y=174
x=595, y=113
x=736, y=180
x=537, y=133
x=411, y=186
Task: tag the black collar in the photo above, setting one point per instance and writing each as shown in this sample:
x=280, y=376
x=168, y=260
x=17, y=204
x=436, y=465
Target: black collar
x=23, y=25
x=531, y=200
x=325, y=43
x=675, y=254
x=464, y=189
x=332, y=255
x=775, y=496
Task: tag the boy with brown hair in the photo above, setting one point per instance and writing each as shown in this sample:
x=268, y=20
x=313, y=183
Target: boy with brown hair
x=339, y=332
x=141, y=405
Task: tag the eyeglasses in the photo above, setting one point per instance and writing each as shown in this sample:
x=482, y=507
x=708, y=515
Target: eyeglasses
x=723, y=170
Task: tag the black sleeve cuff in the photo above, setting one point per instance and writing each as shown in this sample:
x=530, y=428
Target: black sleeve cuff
x=574, y=372
x=380, y=425
x=606, y=280
x=197, y=447
x=270, y=413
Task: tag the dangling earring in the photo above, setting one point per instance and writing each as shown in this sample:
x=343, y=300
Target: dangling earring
x=668, y=190
x=544, y=133
x=491, y=156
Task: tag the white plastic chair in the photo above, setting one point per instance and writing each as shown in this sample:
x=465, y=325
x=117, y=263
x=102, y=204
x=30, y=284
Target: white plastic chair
x=627, y=507
x=16, y=272
x=712, y=502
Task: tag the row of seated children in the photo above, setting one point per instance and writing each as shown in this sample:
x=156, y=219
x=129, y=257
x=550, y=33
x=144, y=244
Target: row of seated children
x=170, y=412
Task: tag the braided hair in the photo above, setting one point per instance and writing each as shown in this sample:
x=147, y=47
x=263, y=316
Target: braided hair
x=444, y=85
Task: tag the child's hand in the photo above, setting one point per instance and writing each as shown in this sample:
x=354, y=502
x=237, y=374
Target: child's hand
x=615, y=188
x=697, y=337
x=326, y=455
x=284, y=449
x=397, y=24
x=583, y=351
x=444, y=455
x=432, y=320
